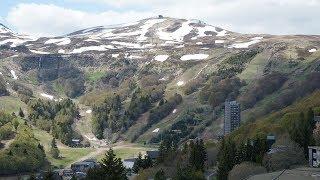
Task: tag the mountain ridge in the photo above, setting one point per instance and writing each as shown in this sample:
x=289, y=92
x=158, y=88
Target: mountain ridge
x=161, y=56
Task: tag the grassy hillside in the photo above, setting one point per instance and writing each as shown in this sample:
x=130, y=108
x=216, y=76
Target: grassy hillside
x=273, y=122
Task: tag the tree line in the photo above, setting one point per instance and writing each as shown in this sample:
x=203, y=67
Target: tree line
x=55, y=117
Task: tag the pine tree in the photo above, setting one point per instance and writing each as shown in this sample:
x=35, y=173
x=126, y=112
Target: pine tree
x=302, y=130
x=111, y=168
x=198, y=155
x=203, y=155
x=160, y=175
x=137, y=164
x=147, y=162
x=226, y=158
x=259, y=149
x=54, y=149
x=162, y=153
x=15, y=124
x=21, y=114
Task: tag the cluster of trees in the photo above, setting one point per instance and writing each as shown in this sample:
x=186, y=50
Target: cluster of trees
x=193, y=85
x=140, y=103
x=120, y=71
x=24, y=92
x=287, y=96
x=187, y=163
x=141, y=163
x=260, y=89
x=55, y=117
x=164, y=108
x=218, y=90
x=236, y=63
x=3, y=88
x=288, y=154
x=167, y=149
x=301, y=130
x=185, y=124
x=6, y=128
x=230, y=154
x=290, y=149
x=108, y=115
x=24, y=154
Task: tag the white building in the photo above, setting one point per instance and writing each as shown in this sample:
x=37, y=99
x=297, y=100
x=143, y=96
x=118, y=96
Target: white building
x=314, y=156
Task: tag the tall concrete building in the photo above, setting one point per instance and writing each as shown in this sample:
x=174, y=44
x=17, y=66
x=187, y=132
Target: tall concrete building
x=232, y=116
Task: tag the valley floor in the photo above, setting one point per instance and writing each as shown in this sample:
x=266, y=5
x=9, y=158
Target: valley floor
x=71, y=155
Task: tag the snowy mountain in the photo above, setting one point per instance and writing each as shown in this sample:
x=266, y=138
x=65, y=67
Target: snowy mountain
x=159, y=54
x=144, y=34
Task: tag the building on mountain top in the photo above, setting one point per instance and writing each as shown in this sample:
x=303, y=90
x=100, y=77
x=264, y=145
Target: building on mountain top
x=232, y=116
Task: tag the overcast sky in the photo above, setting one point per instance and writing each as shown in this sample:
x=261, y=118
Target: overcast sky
x=58, y=17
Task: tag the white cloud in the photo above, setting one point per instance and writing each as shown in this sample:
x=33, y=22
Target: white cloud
x=246, y=16
x=43, y=20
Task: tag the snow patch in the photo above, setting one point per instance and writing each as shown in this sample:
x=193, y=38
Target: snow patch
x=92, y=48
x=156, y=130
x=180, y=46
x=92, y=40
x=39, y=52
x=222, y=33
x=89, y=111
x=313, y=50
x=180, y=83
x=163, y=79
x=219, y=41
x=199, y=43
x=257, y=38
x=177, y=35
x=115, y=55
x=14, y=76
x=161, y=58
x=14, y=42
x=202, y=30
x=47, y=96
x=93, y=138
x=132, y=45
x=134, y=57
x=59, y=42
x=194, y=57
x=246, y=44
x=61, y=51
x=174, y=111
x=147, y=25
